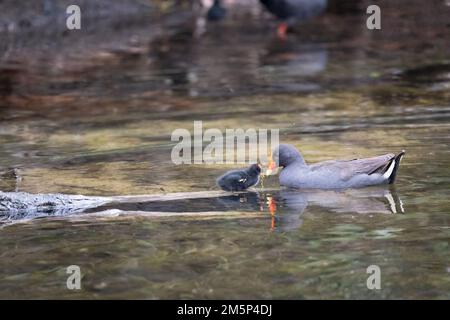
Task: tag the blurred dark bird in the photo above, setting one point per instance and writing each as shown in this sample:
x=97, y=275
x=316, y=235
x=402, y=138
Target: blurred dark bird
x=239, y=180
x=10, y=178
x=216, y=12
x=291, y=12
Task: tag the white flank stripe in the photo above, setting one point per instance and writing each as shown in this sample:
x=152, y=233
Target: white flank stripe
x=388, y=173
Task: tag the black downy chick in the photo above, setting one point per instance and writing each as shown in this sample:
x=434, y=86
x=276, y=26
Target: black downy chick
x=239, y=180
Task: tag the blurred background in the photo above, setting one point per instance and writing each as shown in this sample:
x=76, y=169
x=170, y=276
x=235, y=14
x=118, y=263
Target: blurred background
x=99, y=104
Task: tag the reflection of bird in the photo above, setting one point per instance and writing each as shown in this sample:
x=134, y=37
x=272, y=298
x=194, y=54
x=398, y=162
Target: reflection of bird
x=292, y=59
x=361, y=201
x=238, y=180
x=216, y=12
x=292, y=11
x=293, y=202
x=295, y=63
x=334, y=174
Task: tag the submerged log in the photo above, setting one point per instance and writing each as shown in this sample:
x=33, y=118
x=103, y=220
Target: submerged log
x=23, y=206
x=287, y=205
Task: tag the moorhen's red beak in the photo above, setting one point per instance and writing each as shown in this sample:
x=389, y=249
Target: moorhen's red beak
x=272, y=165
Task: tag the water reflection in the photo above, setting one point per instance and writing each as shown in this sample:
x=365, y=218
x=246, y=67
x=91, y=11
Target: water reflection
x=285, y=207
x=296, y=58
x=10, y=179
x=173, y=56
x=93, y=115
x=297, y=62
x=228, y=62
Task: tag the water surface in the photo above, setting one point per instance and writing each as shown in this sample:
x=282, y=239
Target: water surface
x=100, y=124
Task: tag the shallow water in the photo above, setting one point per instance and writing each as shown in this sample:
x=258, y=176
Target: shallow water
x=101, y=126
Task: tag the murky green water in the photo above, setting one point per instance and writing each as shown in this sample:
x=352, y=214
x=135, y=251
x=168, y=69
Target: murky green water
x=101, y=126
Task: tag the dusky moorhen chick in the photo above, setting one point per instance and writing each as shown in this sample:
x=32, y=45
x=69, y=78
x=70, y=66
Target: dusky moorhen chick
x=239, y=180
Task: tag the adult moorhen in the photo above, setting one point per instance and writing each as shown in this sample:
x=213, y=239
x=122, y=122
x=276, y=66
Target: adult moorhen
x=333, y=174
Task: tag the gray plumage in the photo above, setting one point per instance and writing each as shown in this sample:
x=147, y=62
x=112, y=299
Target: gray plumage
x=334, y=174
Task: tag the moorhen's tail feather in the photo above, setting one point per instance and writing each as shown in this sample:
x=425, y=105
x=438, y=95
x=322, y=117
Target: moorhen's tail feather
x=397, y=160
x=389, y=169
